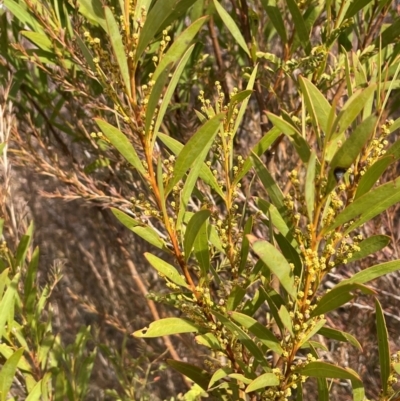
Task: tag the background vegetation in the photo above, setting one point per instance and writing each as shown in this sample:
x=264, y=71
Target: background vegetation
x=292, y=107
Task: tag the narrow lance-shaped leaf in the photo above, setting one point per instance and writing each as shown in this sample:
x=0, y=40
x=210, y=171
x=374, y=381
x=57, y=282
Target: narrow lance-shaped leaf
x=269, y=183
x=166, y=270
x=244, y=251
x=118, y=47
x=300, y=144
x=373, y=272
x=202, y=249
x=145, y=232
x=192, y=230
x=350, y=150
x=317, y=105
x=265, y=380
x=375, y=171
x=310, y=186
x=166, y=327
x=370, y=246
x=324, y=369
x=351, y=110
x=275, y=15
x=7, y=304
x=340, y=336
x=383, y=347
x=7, y=373
x=170, y=90
x=205, y=173
x=121, y=143
x=245, y=100
x=158, y=17
x=262, y=146
x=244, y=339
x=300, y=25
x=218, y=375
x=179, y=46
x=276, y=262
x=368, y=206
x=338, y=296
x=262, y=334
x=232, y=27
x=198, y=375
x=155, y=96
x=198, y=143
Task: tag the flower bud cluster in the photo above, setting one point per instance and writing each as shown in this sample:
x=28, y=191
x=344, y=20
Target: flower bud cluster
x=145, y=206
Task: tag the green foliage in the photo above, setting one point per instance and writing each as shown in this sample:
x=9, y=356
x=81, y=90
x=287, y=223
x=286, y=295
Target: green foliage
x=255, y=303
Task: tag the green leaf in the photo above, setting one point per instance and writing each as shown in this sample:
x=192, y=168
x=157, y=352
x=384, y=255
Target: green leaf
x=171, y=89
x=275, y=15
x=289, y=252
x=269, y=183
x=192, y=230
x=286, y=319
x=235, y=297
x=200, y=142
x=294, y=135
x=368, y=206
x=276, y=262
x=209, y=340
x=121, y=143
x=179, y=46
x=277, y=220
x=355, y=7
x=23, y=15
x=314, y=330
x=300, y=25
x=166, y=327
x=36, y=393
x=198, y=375
x=389, y=35
x=350, y=150
x=218, y=375
x=351, y=110
x=7, y=303
x=22, y=249
x=262, y=334
x=373, y=174
x=7, y=373
x=265, y=380
x=383, y=347
x=166, y=269
x=244, y=250
x=373, y=272
x=119, y=49
x=232, y=27
x=317, y=105
x=145, y=232
x=158, y=16
x=86, y=52
x=93, y=11
x=40, y=40
x=340, y=336
x=370, y=246
x=328, y=371
x=243, y=97
x=245, y=339
x=338, y=296
x=202, y=249
x=205, y=173
x=265, y=142
x=155, y=97
x=310, y=186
